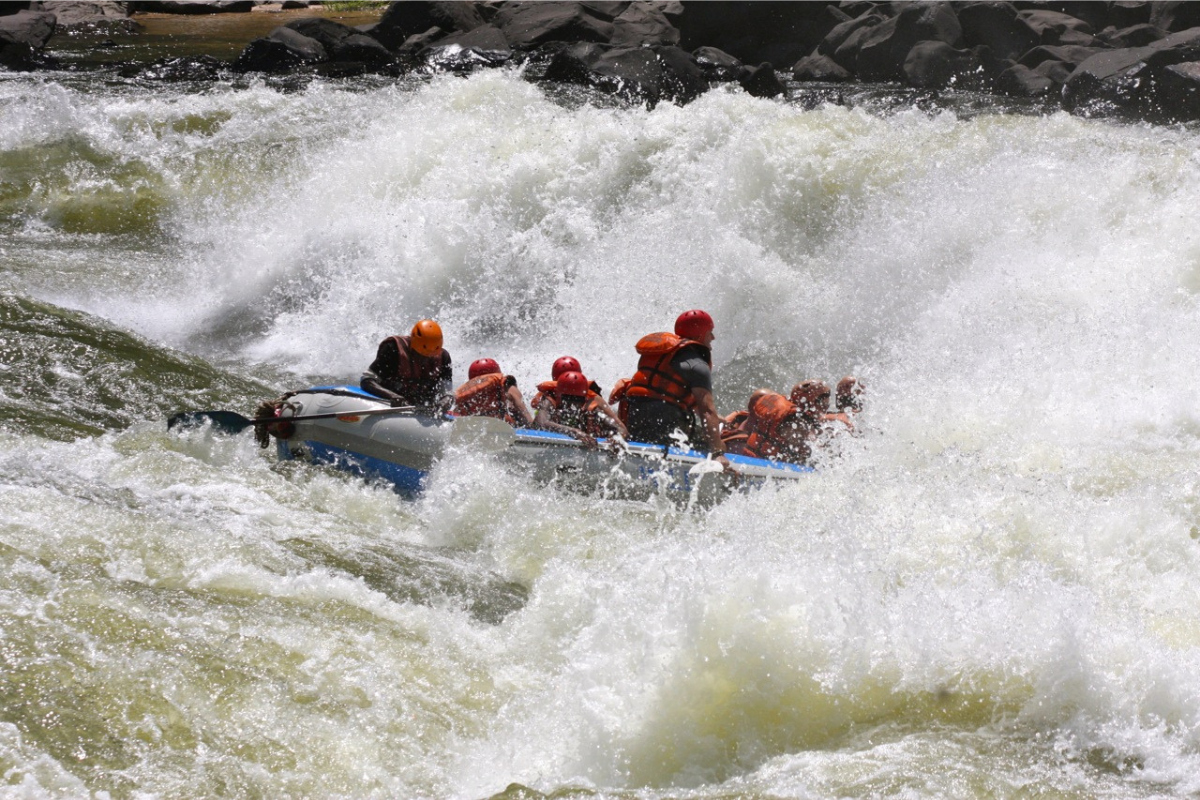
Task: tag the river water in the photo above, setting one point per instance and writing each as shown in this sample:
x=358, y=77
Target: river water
x=994, y=592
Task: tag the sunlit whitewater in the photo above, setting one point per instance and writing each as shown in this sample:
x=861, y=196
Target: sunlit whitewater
x=995, y=591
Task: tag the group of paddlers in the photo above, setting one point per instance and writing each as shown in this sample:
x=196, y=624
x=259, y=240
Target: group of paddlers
x=668, y=401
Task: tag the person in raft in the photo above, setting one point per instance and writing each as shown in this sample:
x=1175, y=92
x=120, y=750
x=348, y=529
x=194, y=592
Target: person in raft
x=673, y=380
x=561, y=365
x=488, y=392
x=413, y=370
x=848, y=400
x=776, y=429
x=573, y=409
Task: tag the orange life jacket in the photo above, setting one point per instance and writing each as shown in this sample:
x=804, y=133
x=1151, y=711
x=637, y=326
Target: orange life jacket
x=765, y=439
x=484, y=396
x=655, y=377
x=733, y=428
x=547, y=389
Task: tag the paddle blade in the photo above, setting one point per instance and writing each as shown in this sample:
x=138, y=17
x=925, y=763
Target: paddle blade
x=222, y=421
x=486, y=434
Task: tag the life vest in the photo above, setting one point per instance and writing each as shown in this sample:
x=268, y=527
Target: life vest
x=655, y=377
x=415, y=377
x=733, y=429
x=765, y=439
x=484, y=396
x=548, y=389
x=617, y=398
x=585, y=417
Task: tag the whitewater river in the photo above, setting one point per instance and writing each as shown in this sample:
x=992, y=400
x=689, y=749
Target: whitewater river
x=994, y=592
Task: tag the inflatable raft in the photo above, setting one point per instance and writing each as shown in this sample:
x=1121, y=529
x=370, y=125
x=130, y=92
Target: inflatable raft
x=360, y=433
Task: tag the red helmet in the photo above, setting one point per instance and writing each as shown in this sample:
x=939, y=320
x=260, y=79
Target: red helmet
x=564, y=364
x=693, y=324
x=482, y=366
x=572, y=384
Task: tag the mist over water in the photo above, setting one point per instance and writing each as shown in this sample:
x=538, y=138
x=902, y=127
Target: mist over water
x=992, y=592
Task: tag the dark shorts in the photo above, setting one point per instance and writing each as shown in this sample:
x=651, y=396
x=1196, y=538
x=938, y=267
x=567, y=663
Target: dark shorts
x=655, y=421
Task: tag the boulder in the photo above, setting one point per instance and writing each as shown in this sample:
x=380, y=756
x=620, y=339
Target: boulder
x=756, y=31
x=1130, y=81
x=641, y=74
x=408, y=18
x=933, y=65
x=76, y=15
x=885, y=47
x=1174, y=16
x=419, y=42
x=717, y=65
x=1178, y=93
x=609, y=11
x=820, y=68
x=282, y=50
x=841, y=32
x=1133, y=36
x=529, y=24
x=997, y=26
x=1021, y=81
x=468, y=51
x=643, y=23
x=1053, y=27
x=23, y=36
x=1068, y=54
x=328, y=32
x=358, y=48
x=762, y=81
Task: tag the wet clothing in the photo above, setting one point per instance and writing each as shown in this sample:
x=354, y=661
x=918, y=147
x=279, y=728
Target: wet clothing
x=399, y=373
x=586, y=416
x=487, y=396
x=659, y=399
x=773, y=430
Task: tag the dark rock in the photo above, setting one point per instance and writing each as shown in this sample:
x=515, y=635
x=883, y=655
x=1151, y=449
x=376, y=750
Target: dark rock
x=1133, y=36
x=1179, y=91
x=1069, y=54
x=466, y=52
x=12, y=8
x=1130, y=81
x=193, y=6
x=1174, y=16
x=846, y=54
x=643, y=23
x=30, y=28
x=183, y=68
x=418, y=42
x=754, y=32
x=1051, y=26
x=997, y=26
x=933, y=65
x=361, y=49
x=838, y=35
x=328, y=32
x=717, y=65
x=609, y=11
x=641, y=74
x=1057, y=71
x=73, y=15
x=408, y=18
x=529, y=24
x=280, y=51
x=1021, y=81
x=761, y=81
x=1127, y=13
x=886, y=46
x=820, y=68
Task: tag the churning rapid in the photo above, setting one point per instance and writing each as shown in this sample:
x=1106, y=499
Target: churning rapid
x=994, y=592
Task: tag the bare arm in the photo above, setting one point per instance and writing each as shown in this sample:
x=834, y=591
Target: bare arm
x=544, y=422
x=517, y=403
x=707, y=409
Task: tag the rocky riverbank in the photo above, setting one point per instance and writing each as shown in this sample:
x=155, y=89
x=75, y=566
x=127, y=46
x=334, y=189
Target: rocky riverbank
x=1135, y=60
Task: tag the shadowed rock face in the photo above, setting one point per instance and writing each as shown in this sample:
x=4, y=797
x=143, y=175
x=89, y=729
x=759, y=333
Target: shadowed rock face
x=1124, y=58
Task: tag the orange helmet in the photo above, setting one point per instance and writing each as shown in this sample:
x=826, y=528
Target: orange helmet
x=427, y=338
x=572, y=384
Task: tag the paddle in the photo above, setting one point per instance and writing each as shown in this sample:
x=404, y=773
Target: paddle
x=232, y=422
